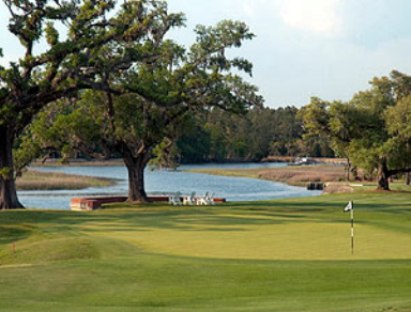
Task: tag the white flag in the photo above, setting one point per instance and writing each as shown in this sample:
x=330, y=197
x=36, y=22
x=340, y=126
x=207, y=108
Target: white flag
x=348, y=207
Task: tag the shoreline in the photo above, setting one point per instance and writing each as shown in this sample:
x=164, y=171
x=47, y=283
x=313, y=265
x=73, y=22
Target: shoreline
x=291, y=175
x=119, y=162
x=332, y=176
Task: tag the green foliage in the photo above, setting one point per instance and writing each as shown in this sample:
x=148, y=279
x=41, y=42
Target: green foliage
x=102, y=40
x=144, y=108
x=398, y=121
x=5, y=173
x=374, y=138
x=221, y=136
x=166, y=155
x=373, y=127
x=52, y=35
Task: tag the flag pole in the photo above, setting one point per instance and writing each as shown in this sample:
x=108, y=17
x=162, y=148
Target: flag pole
x=352, y=227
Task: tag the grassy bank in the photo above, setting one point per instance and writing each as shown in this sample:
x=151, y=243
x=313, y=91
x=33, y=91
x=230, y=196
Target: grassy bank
x=334, y=175
x=37, y=180
x=293, y=175
x=288, y=255
x=79, y=163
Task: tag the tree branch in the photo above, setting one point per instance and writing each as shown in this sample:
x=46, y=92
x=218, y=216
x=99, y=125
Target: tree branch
x=398, y=171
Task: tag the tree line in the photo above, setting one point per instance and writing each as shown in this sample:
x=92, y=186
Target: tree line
x=372, y=131
x=219, y=136
x=65, y=131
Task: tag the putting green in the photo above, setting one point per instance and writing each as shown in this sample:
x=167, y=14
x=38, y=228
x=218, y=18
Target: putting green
x=288, y=255
x=231, y=236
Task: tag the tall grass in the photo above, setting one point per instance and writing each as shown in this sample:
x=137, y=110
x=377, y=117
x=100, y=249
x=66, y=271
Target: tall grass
x=293, y=175
x=36, y=180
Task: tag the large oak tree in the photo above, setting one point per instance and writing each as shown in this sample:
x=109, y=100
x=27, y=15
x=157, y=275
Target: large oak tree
x=373, y=129
x=148, y=103
x=70, y=61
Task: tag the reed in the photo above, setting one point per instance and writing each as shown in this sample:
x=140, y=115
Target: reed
x=297, y=176
x=37, y=180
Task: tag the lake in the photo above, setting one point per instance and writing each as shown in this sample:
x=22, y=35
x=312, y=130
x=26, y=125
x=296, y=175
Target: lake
x=166, y=182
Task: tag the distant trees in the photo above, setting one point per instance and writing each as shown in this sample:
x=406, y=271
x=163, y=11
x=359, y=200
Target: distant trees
x=219, y=136
x=330, y=122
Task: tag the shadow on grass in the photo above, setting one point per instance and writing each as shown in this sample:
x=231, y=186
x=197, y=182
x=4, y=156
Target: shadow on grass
x=221, y=218
x=12, y=234
x=224, y=218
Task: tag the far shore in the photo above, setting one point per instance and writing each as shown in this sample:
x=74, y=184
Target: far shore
x=37, y=180
x=119, y=162
x=292, y=175
x=55, y=162
x=334, y=177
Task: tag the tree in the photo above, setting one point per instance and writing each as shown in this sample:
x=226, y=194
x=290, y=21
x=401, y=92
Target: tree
x=383, y=139
x=193, y=145
x=286, y=131
x=69, y=63
x=148, y=103
x=183, y=82
x=260, y=132
x=372, y=129
x=398, y=119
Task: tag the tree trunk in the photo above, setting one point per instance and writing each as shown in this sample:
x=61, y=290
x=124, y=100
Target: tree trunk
x=383, y=175
x=348, y=168
x=408, y=178
x=8, y=193
x=135, y=168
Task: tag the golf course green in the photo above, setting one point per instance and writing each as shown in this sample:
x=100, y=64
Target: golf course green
x=284, y=255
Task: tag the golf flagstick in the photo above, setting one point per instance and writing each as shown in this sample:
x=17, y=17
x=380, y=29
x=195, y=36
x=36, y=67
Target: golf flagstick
x=350, y=208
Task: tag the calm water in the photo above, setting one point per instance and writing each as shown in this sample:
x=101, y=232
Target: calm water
x=165, y=182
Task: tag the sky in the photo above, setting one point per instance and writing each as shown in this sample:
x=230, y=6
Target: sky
x=303, y=48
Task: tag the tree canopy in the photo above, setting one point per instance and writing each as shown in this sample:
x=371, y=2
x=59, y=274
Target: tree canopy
x=144, y=106
x=372, y=129
x=72, y=61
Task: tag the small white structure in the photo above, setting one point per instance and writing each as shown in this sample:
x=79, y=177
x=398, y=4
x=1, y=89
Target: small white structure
x=190, y=200
x=207, y=199
x=175, y=199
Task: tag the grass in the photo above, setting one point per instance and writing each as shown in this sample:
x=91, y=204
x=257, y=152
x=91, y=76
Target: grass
x=293, y=175
x=79, y=162
x=37, y=180
x=287, y=255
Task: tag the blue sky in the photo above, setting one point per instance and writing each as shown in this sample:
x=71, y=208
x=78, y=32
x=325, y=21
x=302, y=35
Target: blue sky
x=303, y=48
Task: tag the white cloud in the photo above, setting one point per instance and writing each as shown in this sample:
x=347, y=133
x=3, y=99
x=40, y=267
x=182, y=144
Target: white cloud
x=252, y=7
x=317, y=16
x=323, y=17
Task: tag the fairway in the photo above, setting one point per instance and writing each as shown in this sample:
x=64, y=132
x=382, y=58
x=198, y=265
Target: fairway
x=288, y=255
